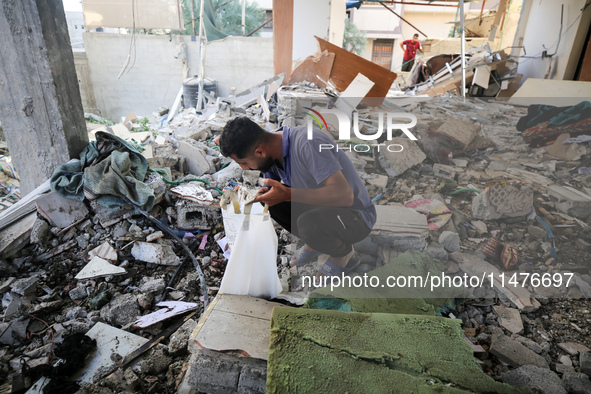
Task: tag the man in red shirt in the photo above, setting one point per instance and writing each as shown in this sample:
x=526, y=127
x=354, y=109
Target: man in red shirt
x=410, y=52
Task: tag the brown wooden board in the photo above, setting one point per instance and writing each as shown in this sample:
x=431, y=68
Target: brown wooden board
x=347, y=65
x=282, y=36
x=312, y=67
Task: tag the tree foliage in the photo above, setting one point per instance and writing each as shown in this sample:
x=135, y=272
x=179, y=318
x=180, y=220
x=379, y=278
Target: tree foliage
x=228, y=16
x=354, y=39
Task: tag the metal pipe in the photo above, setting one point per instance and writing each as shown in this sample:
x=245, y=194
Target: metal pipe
x=243, y=17
x=201, y=53
x=427, y=4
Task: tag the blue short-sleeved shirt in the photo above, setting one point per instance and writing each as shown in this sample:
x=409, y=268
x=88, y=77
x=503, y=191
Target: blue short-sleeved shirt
x=306, y=167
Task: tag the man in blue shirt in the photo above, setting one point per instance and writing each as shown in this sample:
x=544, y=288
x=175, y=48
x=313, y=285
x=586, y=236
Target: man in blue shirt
x=313, y=189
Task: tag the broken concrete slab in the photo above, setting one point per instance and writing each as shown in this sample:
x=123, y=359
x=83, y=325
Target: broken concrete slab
x=60, y=211
x=347, y=353
x=510, y=319
x=104, y=251
x=568, y=152
x=502, y=200
x=514, y=353
x=109, y=341
x=573, y=348
x=97, y=268
x=400, y=227
x=570, y=201
x=535, y=379
x=15, y=236
x=396, y=163
x=234, y=322
x=197, y=160
x=155, y=253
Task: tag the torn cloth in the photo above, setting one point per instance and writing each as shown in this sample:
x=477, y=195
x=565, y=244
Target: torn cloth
x=557, y=116
x=109, y=168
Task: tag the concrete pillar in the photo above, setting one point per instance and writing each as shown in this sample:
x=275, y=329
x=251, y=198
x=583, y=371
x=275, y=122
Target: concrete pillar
x=40, y=106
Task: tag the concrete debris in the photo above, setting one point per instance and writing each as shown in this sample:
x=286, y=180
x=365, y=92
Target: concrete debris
x=121, y=310
x=450, y=241
x=571, y=201
x=573, y=348
x=500, y=201
x=397, y=162
x=155, y=253
x=510, y=319
x=60, y=211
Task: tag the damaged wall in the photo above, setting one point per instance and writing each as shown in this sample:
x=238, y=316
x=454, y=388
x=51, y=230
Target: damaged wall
x=156, y=70
x=542, y=28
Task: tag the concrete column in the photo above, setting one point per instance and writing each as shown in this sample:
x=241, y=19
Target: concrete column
x=40, y=106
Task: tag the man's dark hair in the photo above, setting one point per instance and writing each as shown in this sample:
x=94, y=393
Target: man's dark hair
x=240, y=136
x=416, y=35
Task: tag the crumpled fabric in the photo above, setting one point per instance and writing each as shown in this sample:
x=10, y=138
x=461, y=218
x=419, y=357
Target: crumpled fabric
x=558, y=116
x=438, y=214
x=109, y=168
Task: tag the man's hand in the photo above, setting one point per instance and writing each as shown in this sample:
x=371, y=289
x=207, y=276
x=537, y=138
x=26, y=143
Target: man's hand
x=277, y=193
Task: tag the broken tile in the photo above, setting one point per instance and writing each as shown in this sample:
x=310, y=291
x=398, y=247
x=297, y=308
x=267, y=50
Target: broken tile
x=104, y=251
x=197, y=160
x=193, y=191
x=170, y=309
x=98, y=267
x=154, y=236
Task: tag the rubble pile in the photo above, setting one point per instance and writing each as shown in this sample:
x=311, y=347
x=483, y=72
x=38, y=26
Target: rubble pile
x=471, y=194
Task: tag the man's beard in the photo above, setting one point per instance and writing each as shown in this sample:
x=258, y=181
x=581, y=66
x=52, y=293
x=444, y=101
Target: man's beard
x=265, y=166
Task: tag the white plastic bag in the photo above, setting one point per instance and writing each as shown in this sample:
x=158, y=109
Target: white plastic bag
x=252, y=268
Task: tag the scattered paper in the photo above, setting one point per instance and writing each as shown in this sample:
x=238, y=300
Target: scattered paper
x=223, y=243
x=171, y=309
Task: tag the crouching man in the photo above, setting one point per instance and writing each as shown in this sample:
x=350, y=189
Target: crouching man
x=316, y=194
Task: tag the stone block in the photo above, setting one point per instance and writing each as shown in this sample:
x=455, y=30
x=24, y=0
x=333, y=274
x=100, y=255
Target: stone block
x=570, y=201
x=576, y=382
x=395, y=163
x=40, y=232
x=195, y=216
x=232, y=171
x=461, y=132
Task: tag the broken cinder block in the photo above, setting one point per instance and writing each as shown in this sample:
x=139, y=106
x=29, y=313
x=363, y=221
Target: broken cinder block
x=502, y=200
